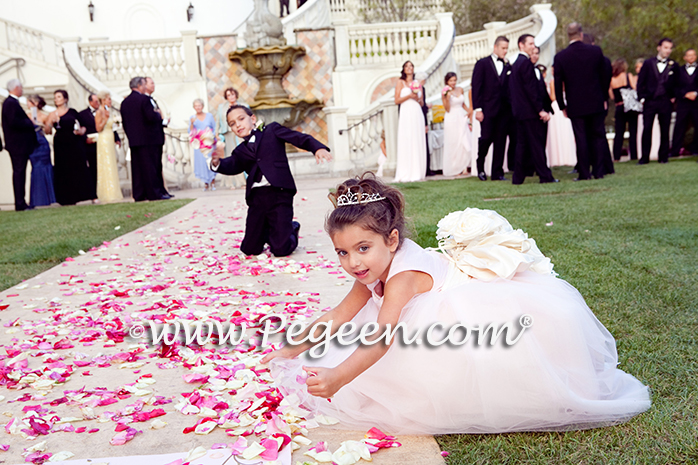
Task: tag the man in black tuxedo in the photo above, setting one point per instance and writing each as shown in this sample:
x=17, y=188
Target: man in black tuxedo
x=87, y=120
x=531, y=118
x=20, y=140
x=149, y=90
x=582, y=78
x=270, y=185
x=490, y=87
x=686, y=102
x=655, y=89
x=143, y=127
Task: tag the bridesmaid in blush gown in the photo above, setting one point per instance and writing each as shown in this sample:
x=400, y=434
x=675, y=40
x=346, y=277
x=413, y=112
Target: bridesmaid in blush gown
x=41, y=192
x=457, y=148
x=108, y=184
x=72, y=179
x=411, y=141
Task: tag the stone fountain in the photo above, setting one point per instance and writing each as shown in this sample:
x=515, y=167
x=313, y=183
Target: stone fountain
x=268, y=58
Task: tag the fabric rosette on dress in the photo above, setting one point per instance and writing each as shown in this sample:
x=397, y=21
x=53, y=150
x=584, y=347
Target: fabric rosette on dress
x=483, y=245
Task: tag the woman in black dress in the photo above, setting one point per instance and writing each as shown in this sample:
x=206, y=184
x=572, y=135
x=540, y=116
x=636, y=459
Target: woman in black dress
x=72, y=178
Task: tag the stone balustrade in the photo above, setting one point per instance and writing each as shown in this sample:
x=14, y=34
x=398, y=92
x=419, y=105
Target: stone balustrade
x=30, y=43
x=391, y=43
x=167, y=60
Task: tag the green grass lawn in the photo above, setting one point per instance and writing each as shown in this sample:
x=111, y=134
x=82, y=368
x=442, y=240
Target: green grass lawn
x=34, y=241
x=629, y=243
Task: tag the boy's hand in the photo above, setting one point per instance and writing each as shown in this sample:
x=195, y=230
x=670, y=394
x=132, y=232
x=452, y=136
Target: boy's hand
x=217, y=154
x=322, y=155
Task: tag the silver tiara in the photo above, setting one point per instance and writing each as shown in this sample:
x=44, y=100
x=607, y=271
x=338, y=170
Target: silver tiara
x=350, y=198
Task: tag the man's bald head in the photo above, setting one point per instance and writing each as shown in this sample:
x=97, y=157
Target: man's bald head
x=574, y=31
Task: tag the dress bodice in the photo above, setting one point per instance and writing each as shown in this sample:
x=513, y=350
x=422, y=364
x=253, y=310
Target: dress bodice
x=412, y=257
x=456, y=102
x=108, y=126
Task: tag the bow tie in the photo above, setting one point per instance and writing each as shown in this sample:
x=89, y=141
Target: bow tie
x=499, y=59
x=661, y=61
x=251, y=138
x=691, y=65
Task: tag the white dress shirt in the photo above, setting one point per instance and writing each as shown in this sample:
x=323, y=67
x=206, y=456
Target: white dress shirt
x=499, y=65
x=661, y=66
x=691, y=69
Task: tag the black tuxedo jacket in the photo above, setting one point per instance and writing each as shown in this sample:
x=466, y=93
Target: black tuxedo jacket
x=524, y=90
x=547, y=102
x=582, y=73
x=490, y=90
x=143, y=126
x=685, y=83
x=87, y=120
x=20, y=136
x=649, y=78
x=266, y=156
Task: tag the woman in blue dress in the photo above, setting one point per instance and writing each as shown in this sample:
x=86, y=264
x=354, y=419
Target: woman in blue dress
x=41, y=192
x=202, y=136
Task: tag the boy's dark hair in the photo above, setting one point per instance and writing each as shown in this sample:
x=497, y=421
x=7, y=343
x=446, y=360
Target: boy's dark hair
x=243, y=107
x=381, y=217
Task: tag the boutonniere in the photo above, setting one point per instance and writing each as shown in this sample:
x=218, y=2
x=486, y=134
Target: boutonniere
x=671, y=62
x=260, y=125
x=508, y=72
x=670, y=73
x=506, y=62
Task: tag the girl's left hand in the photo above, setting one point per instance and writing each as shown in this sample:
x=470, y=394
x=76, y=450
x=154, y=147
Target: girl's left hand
x=322, y=382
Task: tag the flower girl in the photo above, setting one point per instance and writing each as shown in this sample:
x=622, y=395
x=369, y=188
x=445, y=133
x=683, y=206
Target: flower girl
x=486, y=338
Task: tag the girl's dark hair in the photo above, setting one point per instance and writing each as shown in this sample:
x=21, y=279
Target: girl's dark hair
x=63, y=93
x=619, y=66
x=38, y=100
x=448, y=77
x=403, y=76
x=380, y=217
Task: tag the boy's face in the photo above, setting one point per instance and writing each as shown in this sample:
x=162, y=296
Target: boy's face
x=241, y=123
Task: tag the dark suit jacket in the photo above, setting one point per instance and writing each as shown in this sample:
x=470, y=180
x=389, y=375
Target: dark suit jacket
x=685, y=83
x=547, y=102
x=524, y=90
x=143, y=126
x=490, y=90
x=581, y=71
x=87, y=120
x=648, y=79
x=20, y=136
x=268, y=154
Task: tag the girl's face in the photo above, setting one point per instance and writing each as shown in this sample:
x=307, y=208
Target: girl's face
x=452, y=82
x=409, y=68
x=365, y=254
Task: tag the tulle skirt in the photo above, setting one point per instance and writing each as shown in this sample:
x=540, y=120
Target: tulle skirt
x=560, y=374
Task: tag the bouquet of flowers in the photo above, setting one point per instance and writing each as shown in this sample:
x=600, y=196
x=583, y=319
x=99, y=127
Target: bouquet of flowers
x=446, y=90
x=203, y=140
x=482, y=244
x=415, y=86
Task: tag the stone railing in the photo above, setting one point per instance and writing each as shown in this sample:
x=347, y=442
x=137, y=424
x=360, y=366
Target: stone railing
x=357, y=9
x=30, y=43
x=164, y=59
x=314, y=14
x=391, y=43
x=178, y=158
x=541, y=23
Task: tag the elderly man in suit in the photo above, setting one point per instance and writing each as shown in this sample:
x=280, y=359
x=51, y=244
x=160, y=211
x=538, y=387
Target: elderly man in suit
x=686, y=101
x=490, y=83
x=270, y=185
x=655, y=89
x=582, y=77
x=143, y=127
x=20, y=140
x=527, y=104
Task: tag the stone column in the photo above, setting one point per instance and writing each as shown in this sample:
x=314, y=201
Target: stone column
x=191, y=56
x=338, y=143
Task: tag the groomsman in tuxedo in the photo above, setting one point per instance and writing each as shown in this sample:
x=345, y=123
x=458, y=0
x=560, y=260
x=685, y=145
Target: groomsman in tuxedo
x=490, y=88
x=581, y=76
x=149, y=90
x=143, y=127
x=20, y=140
x=530, y=115
x=655, y=89
x=87, y=120
x=686, y=102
